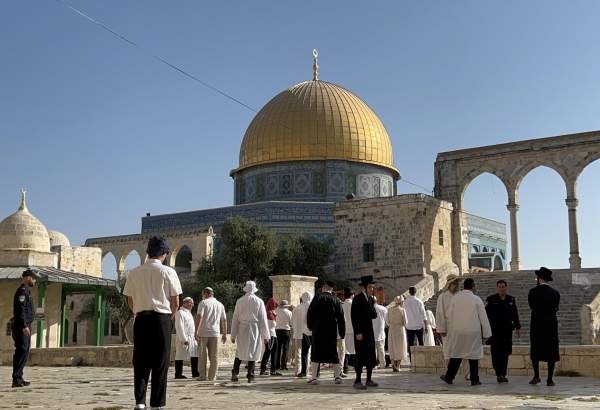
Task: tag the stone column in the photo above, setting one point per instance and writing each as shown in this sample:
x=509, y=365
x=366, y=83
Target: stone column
x=515, y=262
x=574, y=258
x=460, y=251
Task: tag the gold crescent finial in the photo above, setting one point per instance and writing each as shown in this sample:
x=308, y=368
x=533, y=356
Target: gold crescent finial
x=315, y=65
x=23, y=206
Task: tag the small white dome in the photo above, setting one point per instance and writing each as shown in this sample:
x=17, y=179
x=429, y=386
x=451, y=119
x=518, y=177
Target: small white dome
x=22, y=230
x=58, y=239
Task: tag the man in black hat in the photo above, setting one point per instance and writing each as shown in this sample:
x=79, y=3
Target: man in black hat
x=362, y=313
x=543, y=301
x=152, y=291
x=23, y=315
x=325, y=319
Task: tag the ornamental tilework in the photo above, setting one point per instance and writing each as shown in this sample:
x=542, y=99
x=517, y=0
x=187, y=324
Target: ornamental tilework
x=336, y=182
x=272, y=188
x=286, y=184
x=302, y=183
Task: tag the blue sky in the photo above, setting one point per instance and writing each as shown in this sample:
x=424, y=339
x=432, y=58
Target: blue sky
x=100, y=133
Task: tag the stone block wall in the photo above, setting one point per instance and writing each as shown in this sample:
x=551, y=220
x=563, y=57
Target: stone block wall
x=411, y=235
x=583, y=359
x=86, y=260
x=291, y=287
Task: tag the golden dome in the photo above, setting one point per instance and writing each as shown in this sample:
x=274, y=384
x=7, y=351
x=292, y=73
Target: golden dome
x=22, y=230
x=316, y=120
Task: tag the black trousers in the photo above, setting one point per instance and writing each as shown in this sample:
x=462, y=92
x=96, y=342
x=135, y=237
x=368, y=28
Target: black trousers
x=22, y=346
x=151, y=355
x=283, y=345
x=306, y=344
x=236, y=368
x=193, y=365
x=454, y=365
x=500, y=361
x=411, y=334
x=270, y=352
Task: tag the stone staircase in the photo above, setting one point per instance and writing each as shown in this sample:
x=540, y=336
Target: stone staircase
x=519, y=282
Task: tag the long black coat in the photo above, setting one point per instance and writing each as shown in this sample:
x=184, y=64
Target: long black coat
x=325, y=318
x=544, y=301
x=362, y=313
x=504, y=318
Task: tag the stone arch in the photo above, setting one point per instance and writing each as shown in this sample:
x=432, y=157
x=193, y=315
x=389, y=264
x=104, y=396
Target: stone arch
x=588, y=202
x=476, y=173
x=182, y=259
x=109, y=265
x=524, y=172
x=129, y=261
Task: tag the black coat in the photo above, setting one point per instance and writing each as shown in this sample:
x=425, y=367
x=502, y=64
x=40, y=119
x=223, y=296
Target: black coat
x=362, y=313
x=325, y=318
x=504, y=318
x=23, y=308
x=544, y=301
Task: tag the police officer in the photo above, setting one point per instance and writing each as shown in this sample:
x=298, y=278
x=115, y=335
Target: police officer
x=502, y=312
x=23, y=315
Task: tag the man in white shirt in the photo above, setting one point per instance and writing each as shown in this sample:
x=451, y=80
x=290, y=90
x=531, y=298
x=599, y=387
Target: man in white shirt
x=416, y=318
x=349, y=337
x=152, y=291
x=301, y=334
x=283, y=326
x=379, y=332
x=249, y=329
x=211, y=322
x=186, y=347
x=468, y=330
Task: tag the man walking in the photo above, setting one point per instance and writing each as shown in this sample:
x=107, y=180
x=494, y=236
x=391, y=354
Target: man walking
x=302, y=334
x=416, y=318
x=187, y=346
x=249, y=329
x=469, y=328
x=23, y=316
x=211, y=322
x=152, y=291
x=544, y=301
x=362, y=314
x=502, y=313
x=325, y=319
x=348, y=357
x=283, y=327
x=441, y=311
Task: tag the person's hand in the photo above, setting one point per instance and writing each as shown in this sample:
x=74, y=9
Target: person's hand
x=232, y=339
x=425, y=330
x=486, y=339
x=267, y=341
x=26, y=332
x=186, y=343
x=224, y=339
x=359, y=337
x=197, y=336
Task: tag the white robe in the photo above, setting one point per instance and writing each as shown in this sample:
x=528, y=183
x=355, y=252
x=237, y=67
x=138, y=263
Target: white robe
x=249, y=327
x=397, y=343
x=468, y=325
x=428, y=338
x=185, y=332
x=349, y=337
x=441, y=317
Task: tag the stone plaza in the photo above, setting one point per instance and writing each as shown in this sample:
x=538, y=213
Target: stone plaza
x=93, y=388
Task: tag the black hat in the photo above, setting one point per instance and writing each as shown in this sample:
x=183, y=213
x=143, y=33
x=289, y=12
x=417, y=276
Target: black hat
x=366, y=280
x=544, y=273
x=29, y=272
x=330, y=284
x=157, y=246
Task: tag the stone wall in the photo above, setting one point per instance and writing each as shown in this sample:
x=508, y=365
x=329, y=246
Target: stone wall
x=27, y=257
x=291, y=287
x=583, y=359
x=98, y=356
x=86, y=260
x=412, y=241
x=590, y=322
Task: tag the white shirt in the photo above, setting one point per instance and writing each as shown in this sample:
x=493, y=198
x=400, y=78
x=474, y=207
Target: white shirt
x=415, y=313
x=379, y=323
x=250, y=309
x=185, y=330
x=212, y=312
x=284, y=319
x=151, y=287
x=347, y=307
x=299, y=321
x=441, y=311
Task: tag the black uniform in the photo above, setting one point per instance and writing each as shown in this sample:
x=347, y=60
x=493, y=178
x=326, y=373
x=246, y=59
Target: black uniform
x=504, y=318
x=362, y=313
x=325, y=318
x=23, y=315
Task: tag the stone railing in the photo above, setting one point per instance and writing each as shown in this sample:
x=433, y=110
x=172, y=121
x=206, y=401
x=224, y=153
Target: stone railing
x=583, y=360
x=98, y=356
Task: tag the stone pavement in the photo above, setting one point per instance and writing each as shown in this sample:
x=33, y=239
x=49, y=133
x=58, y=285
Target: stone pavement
x=111, y=388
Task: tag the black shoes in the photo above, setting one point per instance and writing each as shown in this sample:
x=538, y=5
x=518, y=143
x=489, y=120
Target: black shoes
x=550, y=383
x=301, y=375
x=234, y=377
x=20, y=383
x=502, y=379
x=371, y=383
x=263, y=372
x=443, y=377
x=475, y=382
x=276, y=374
x=359, y=386
x=535, y=380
